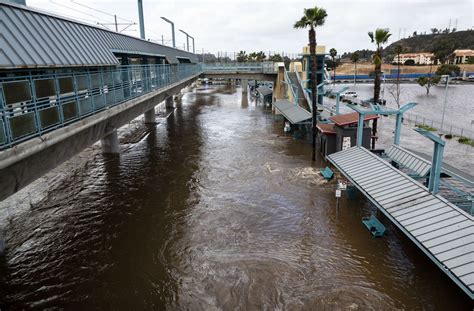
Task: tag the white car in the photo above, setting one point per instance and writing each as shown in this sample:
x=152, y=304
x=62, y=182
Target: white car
x=349, y=94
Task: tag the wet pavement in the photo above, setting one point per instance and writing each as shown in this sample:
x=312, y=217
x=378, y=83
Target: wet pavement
x=214, y=208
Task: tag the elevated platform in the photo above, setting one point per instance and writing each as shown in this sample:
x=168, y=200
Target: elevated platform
x=444, y=232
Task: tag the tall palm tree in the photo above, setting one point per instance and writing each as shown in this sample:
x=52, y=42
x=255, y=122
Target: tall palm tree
x=355, y=58
x=380, y=37
x=333, y=53
x=312, y=18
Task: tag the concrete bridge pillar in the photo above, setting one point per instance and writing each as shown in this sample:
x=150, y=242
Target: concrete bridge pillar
x=110, y=143
x=2, y=242
x=169, y=102
x=150, y=116
x=245, y=85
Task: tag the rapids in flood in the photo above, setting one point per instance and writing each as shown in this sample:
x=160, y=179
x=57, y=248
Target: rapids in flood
x=214, y=208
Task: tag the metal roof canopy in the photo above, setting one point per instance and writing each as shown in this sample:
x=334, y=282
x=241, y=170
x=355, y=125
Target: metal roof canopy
x=35, y=39
x=264, y=90
x=444, y=232
x=294, y=113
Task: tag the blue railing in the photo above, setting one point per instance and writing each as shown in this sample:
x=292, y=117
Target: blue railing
x=263, y=67
x=36, y=102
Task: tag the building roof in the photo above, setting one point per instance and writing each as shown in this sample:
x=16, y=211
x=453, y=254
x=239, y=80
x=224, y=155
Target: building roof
x=350, y=118
x=326, y=128
x=463, y=52
x=35, y=39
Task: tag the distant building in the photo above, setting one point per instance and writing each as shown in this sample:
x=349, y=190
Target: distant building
x=461, y=56
x=418, y=58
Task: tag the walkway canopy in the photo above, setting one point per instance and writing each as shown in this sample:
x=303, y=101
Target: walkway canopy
x=444, y=232
x=295, y=114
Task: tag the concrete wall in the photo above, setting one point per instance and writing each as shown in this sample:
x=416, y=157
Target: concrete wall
x=22, y=164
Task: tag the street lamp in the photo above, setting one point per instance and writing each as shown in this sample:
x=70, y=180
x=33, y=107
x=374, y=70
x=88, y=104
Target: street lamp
x=445, y=99
x=187, y=39
x=172, y=29
x=194, y=51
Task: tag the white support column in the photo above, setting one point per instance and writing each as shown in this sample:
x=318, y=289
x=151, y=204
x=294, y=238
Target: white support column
x=150, y=116
x=110, y=143
x=169, y=102
x=245, y=85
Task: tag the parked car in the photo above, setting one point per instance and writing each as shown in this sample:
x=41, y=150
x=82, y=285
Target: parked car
x=349, y=94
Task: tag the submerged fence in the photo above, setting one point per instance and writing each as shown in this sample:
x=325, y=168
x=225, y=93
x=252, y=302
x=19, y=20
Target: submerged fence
x=436, y=125
x=35, y=102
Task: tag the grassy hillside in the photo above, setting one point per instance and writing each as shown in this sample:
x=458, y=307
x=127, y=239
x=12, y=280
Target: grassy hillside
x=426, y=43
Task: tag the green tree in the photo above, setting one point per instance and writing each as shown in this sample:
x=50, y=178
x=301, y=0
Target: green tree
x=333, y=53
x=276, y=58
x=355, y=58
x=442, y=49
x=427, y=82
x=380, y=37
x=312, y=18
x=448, y=69
x=242, y=57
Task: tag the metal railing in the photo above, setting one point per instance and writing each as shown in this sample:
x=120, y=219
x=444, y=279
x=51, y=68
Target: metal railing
x=36, y=102
x=292, y=87
x=305, y=90
x=436, y=126
x=263, y=67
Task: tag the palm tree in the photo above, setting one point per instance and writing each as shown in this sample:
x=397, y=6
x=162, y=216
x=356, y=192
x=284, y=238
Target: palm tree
x=333, y=53
x=355, y=58
x=379, y=37
x=312, y=18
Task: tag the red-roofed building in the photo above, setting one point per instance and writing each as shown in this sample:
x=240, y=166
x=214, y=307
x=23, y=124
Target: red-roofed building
x=342, y=134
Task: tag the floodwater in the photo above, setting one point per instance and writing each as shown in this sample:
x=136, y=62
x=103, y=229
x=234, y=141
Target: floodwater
x=459, y=110
x=214, y=209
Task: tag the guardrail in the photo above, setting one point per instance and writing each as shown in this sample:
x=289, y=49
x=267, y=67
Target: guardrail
x=292, y=87
x=263, y=67
x=305, y=90
x=387, y=76
x=36, y=102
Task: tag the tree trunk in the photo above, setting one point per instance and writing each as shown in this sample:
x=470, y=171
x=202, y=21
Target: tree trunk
x=314, y=90
x=378, y=71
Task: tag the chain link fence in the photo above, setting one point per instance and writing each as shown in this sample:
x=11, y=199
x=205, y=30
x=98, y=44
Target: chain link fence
x=436, y=125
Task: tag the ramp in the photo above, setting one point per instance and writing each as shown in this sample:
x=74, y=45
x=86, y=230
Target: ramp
x=444, y=232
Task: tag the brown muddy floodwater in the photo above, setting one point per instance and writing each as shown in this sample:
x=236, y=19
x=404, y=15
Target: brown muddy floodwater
x=215, y=209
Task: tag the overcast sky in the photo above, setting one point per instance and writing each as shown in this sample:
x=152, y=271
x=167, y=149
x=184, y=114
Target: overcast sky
x=268, y=25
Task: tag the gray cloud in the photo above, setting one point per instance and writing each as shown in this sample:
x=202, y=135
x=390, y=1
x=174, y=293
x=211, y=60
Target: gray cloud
x=268, y=25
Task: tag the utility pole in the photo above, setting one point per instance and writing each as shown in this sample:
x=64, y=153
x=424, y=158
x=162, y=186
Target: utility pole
x=141, y=19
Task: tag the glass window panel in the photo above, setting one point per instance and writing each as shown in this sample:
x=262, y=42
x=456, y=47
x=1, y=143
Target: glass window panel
x=82, y=83
x=22, y=125
x=99, y=101
x=85, y=105
x=49, y=117
x=69, y=111
x=96, y=80
x=3, y=136
x=66, y=85
x=45, y=88
x=15, y=92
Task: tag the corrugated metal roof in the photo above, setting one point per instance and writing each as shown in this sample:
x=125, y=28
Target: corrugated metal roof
x=264, y=90
x=440, y=229
x=350, y=118
x=326, y=128
x=409, y=160
x=33, y=39
x=294, y=114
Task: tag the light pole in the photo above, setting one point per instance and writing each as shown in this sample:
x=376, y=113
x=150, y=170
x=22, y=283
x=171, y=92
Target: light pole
x=142, y=21
x=194, y=50
x=445, y=99
x=172, y=29
x=187, y=39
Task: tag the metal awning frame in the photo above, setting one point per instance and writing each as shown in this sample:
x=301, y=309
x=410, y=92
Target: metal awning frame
x=376, y=110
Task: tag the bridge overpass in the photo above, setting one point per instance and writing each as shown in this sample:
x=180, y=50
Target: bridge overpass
x=65, y=85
